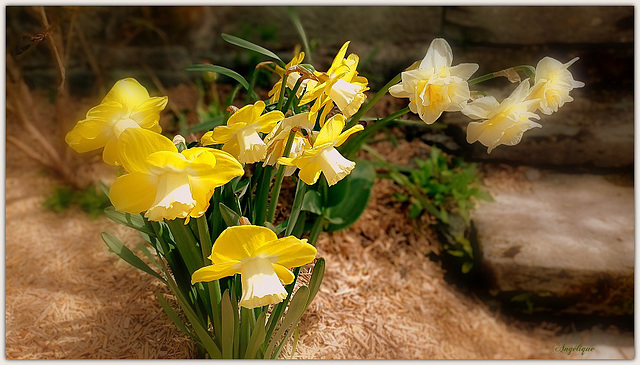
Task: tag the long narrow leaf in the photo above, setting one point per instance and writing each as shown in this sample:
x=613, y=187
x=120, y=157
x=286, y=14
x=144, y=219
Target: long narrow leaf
x=316, y=279
x=134, y=221
x=127, y=255
x=221, y=70
x=231, y=218
x=257, y=337
x=294, y=313
x=227, y=326
x=251, y=46
x=174, y=316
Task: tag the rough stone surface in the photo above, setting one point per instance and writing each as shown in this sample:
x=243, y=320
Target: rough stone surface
x=522, y=25
x=571, y=236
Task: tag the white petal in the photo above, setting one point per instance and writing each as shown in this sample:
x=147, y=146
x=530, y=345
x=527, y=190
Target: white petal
x=464, y=70
x=438, y=55
x=481, y=108
x=334, y=166
x=260, y=284
x=173, y=198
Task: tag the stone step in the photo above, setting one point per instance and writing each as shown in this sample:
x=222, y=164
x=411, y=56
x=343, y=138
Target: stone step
x=566, y=237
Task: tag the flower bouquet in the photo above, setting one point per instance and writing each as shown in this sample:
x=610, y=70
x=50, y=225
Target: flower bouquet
x=207, y=208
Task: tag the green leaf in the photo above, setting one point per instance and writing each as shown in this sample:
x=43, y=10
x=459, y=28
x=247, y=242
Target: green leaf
x=312, y=202
x=294, y=313
x=466, y=267
x=135, y=221
x=257, y=337
x=316, y=279
x=231, y=218
x=221, y=70
x=105, y=189
x=127, y=255
x=251, y=46
x=174, y=316
x=227, y=326
x=349, y=210
x=208, y=125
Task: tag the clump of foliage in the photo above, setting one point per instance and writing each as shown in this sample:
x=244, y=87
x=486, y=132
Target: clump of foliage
x=446, y=188
x=91, y=200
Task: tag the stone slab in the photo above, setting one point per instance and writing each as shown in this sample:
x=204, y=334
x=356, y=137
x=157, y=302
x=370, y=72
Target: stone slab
x=540, y=24
x=571, y=236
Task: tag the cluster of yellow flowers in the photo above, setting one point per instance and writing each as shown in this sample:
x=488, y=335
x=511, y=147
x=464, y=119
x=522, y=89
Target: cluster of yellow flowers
x=167, y=184
x=436, y=87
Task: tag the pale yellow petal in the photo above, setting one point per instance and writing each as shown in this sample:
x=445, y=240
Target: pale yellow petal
x=346, y=134
x=284, y=274
x=288, y=251
x=128, y=93
x=147, y=114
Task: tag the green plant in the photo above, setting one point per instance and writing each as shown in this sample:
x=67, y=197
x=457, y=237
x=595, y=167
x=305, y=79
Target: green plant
x=90, y=200
x=445, y=187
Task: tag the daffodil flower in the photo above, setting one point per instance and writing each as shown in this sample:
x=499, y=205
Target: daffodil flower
x=277, y=139
x=261, y=258
x=127, y=105
x=292, y=78
x=340, y=85
x=323, y=156
x=436, y=87
x=505, y=122
x=240, y=135
x=165, y=183
x=553, y=82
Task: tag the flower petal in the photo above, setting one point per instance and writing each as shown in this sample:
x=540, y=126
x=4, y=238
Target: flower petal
x=285, y=275
x=330, y=131
x=110, y=153
x=240, y=242
x=215, y=272
x=346, y=134
x=136, y=144
x=289, y=252
x=133, y=193
x=128, y=93
x=147, y=114
x=438, y=55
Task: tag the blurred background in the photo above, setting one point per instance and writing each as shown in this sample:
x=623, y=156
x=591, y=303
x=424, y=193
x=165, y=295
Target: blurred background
x=557, y=242
x=108, y=43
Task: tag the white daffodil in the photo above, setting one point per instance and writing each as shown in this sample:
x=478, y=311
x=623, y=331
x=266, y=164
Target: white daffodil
x=436, y=87
x=552, y=85
x=503, y=123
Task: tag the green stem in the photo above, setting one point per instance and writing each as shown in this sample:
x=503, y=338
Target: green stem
x=275, y=192
x=262, y=194
x=526, y=69
x=354, y=145
x=316, y=230
x=292, y=95
x=356, y=117
x=301, y=189
x=282, y=90
x=252, y=94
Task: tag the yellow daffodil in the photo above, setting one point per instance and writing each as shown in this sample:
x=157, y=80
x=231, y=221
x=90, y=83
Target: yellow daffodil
x=277, y=139
x=127, y=105
x=240, y=135
x=436, y=87
x=505, y=122
x=261, y=258
x=340, y=85
x=552, y=85
x=292, y=78
x=165, y=183
x=324, y=157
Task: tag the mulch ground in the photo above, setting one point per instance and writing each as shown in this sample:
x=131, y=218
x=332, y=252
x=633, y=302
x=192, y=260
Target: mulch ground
x=67, y=297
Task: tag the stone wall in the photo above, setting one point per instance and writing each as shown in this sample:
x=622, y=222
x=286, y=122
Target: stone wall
x=594, y=131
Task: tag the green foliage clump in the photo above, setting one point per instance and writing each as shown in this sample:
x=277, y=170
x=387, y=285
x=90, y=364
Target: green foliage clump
x=446, y=188
x=90, y=200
